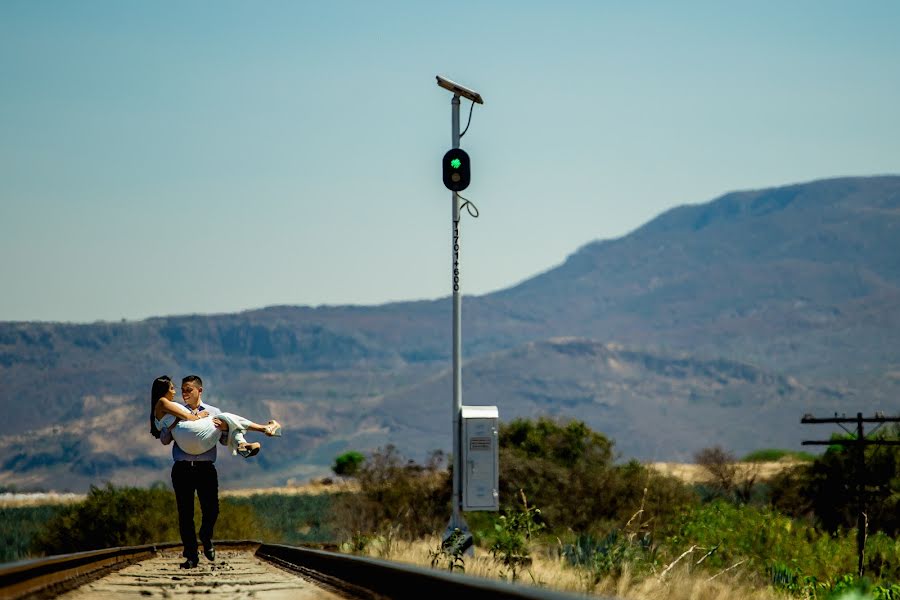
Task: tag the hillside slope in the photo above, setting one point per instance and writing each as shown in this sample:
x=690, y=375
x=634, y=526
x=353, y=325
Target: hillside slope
x=656, y=406
x=799, y=284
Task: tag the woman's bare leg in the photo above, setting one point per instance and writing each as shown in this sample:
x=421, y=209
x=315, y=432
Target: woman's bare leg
x=268, y=429
x=242, y=444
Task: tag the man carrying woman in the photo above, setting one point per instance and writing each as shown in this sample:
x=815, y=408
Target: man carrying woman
x=196, y=428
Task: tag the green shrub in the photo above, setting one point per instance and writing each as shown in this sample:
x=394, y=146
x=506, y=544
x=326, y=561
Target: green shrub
x=610, y=555
x=112, y=516
x=513, y=532
x=397, y=497
x=790, y=553
x=886, y=592
x=18, y=526
x=292, y=519
x=776, y=454
x=882, y=558
x=851, y=587
x=824, y=491
x=567, y=469
x=348, y=464
x=451, y=551
x=788, y=493
x=829, y=484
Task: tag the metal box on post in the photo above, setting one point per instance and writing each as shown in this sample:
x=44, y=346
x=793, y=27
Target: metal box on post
x=480, y=458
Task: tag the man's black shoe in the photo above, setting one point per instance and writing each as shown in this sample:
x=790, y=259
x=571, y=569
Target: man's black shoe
x=209, y=552
x=189, y=564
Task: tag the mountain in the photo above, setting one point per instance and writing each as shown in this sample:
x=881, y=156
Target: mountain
x=764, y=276
x=721, y=322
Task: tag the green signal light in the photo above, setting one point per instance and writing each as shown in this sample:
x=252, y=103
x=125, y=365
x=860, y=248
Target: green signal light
x=455, y=163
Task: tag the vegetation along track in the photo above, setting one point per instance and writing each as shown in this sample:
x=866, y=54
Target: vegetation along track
x=245, y=568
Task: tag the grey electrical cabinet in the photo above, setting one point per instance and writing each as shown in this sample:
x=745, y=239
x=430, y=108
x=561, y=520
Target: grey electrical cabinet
x=480, y=458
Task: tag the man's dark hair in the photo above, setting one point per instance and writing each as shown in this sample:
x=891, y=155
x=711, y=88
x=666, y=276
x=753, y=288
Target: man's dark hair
x=195, y=379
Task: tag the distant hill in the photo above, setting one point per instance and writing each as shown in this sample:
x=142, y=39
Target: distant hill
x=775, y=277
x=721, y=322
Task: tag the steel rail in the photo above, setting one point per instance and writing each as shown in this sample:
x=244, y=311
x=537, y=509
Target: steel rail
x=50, y=576
x=357, y=576
x=43, y=577
x=399, y=581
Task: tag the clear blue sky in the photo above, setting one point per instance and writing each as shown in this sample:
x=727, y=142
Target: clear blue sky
x=162, y=158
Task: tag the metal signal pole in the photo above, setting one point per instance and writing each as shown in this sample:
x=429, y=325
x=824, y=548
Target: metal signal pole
x=456, y=170
x=456, y=520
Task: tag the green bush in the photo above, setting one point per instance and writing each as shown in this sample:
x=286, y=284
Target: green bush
x=830, y=487
x=776, y=454
x=292, y=519
x=451, y=551
x=567, y=470
x=348, y=464
x=513, y=532
x=112, y=516
x=18, y=526
x=612, y=554
x=882, y=558
x=850, y=587
x=792, y=554
x=397, y=497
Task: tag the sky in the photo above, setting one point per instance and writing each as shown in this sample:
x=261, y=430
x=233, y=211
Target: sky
x=168, y=158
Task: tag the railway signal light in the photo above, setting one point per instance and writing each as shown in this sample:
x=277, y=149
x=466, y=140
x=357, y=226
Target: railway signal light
x=456, y=170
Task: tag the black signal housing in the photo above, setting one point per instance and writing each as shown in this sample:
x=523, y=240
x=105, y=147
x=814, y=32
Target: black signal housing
x=457, y=170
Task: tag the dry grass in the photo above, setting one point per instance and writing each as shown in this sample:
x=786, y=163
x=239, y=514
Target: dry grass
x=311, y=488
x=684, y=584
x=680, y=583
x=692, y=473
x=14, y=500
x=689, y=473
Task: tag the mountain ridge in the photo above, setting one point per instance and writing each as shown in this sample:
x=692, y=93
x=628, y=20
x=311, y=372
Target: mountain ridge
x=799, y=282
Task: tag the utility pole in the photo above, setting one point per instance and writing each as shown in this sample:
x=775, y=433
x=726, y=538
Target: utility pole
x=859, y=444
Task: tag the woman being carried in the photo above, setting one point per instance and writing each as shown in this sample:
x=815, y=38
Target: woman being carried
x=195, y=434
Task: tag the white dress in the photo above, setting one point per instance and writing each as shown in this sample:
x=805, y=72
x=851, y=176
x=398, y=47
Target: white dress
x=196, y=437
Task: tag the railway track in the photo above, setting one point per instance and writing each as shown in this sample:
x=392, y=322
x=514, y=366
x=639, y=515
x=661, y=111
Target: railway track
x=245, y=569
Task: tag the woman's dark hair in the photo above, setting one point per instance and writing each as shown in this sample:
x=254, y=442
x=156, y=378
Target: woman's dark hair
x=160, y=388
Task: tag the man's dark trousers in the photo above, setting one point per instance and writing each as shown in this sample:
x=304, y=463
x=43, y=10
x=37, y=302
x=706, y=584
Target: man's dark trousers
x=201, y=477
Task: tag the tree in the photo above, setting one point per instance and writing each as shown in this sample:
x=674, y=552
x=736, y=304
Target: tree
x=568, y=471
x=348, y=464
x=826, y=489
x=831, y=486
x=728, y=480
x=397, y=496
